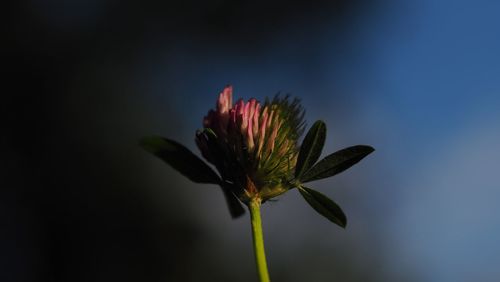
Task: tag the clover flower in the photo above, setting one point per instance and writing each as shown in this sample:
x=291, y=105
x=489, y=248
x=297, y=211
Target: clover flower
x=253, y=145
x=255, y=150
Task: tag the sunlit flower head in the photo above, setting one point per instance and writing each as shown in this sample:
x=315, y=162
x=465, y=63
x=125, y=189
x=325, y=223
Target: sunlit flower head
x=253, y=146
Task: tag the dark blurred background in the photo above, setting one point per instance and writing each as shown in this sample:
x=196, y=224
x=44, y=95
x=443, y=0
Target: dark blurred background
x=85, y=80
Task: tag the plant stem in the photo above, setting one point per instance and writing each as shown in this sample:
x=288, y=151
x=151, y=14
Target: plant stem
x=258, y=239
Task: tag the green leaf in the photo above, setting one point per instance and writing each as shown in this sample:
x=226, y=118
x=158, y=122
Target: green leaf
x=188, y=164
x=337, y=162
x=234, y=205
x=324, y=206
x=311, y=147
x=181, y=159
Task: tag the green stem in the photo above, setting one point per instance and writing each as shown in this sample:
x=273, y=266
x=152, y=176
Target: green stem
x=258, y=240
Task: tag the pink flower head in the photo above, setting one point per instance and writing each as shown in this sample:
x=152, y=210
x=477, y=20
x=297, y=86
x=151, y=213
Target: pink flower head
x=252, y=142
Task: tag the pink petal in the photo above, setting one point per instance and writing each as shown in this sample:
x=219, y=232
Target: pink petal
x=250, y=141
x=228, y=92
x=262, y=132
x=246, y=113
x=256, y=116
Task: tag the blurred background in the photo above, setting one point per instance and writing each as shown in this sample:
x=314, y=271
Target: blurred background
x=85, y=80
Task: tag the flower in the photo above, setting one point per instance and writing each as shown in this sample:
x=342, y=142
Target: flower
x=254, y=146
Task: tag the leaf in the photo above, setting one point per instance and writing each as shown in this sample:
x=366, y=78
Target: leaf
x=234, y=205
x=181, y=159
x=188, y=164
x=324, y=206
x=311, y=147
x=337, y=162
